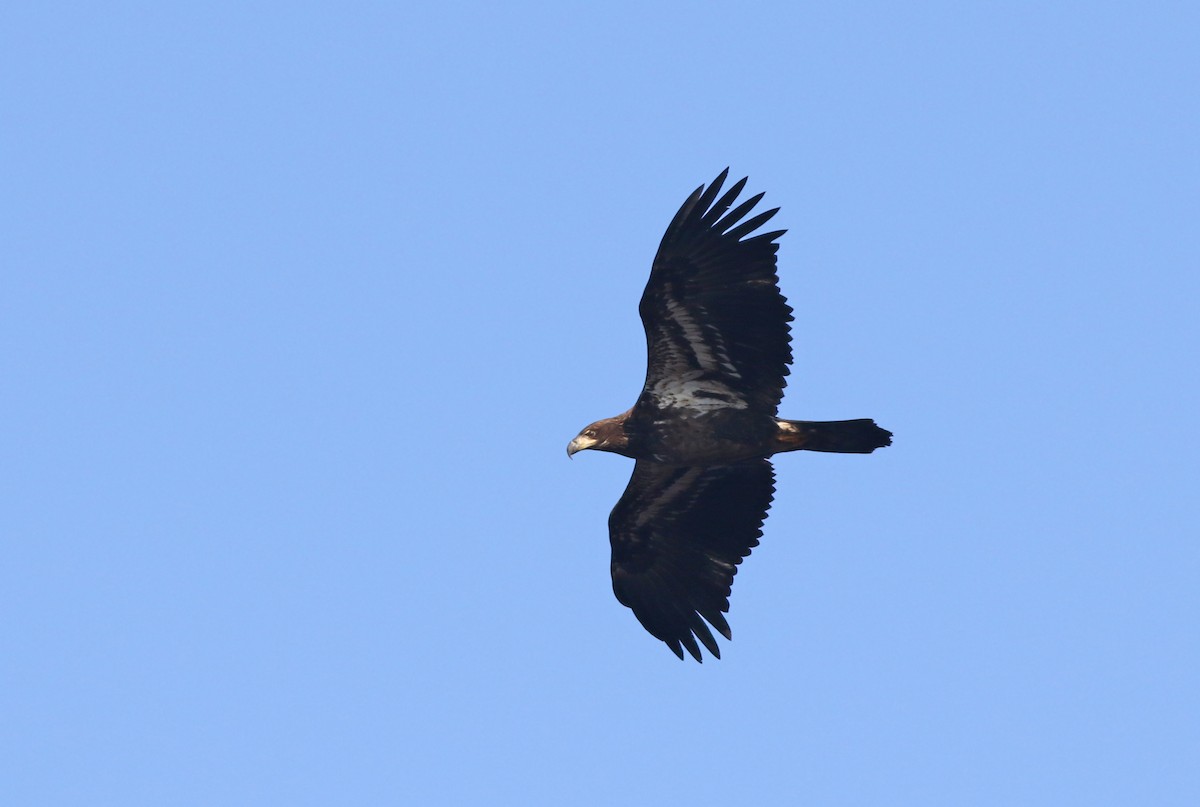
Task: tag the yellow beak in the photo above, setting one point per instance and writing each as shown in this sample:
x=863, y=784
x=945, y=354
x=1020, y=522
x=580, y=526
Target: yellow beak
x=580, y=443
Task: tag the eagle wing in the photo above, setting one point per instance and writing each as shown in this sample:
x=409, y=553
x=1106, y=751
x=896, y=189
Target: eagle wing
x=717, y=331
x=678, y=534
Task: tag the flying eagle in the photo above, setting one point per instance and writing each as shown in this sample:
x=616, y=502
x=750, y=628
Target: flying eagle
x=705, y=424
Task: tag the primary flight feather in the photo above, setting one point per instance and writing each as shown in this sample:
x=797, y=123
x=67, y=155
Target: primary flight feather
x=718, y=348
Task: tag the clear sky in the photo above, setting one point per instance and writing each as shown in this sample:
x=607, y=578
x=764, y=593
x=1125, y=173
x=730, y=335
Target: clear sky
x=301, y=303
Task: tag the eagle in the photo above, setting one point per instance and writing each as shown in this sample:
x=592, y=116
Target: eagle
x=704, y=427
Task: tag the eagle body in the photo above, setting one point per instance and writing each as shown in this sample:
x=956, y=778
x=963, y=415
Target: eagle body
x=705, y=424
x=703, y=438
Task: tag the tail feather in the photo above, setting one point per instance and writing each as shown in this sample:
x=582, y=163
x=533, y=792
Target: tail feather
x=860, y=436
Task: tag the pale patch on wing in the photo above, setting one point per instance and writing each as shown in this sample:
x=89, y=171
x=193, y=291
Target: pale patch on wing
x=704, y=342
x=696, y=392
x=719, y=562
x=694, y=365
x=684, y=485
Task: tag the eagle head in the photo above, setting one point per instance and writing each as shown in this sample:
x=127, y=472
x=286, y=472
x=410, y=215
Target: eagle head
x=603, y=435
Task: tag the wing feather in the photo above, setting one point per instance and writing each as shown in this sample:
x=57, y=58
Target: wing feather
x=678, y=535
x=716, y=324
x=716, y=211
x=753, y=224
x=733, y=218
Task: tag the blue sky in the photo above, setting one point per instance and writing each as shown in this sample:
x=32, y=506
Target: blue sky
x=301, y=303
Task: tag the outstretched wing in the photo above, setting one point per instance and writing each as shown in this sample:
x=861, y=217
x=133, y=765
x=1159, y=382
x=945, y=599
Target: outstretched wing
x=678, y=534
x=716, y=324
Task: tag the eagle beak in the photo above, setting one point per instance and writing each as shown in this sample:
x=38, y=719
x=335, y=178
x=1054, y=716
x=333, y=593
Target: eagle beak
x=580, y=443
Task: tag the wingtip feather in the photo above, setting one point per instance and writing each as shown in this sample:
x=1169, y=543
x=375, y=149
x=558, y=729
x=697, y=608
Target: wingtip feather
x=710, y=193
x=750, y=225
x=689, y=641
x=718, y=621
x=736, y=214
x=718, y=209
x=705, y=635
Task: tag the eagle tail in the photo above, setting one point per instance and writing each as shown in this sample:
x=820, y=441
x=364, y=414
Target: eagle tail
x=860, y=436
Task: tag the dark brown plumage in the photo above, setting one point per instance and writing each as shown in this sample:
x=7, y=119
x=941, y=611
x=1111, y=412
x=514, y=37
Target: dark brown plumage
x=704, y=426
